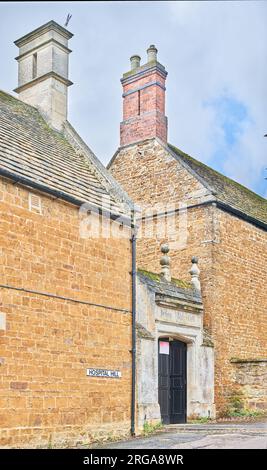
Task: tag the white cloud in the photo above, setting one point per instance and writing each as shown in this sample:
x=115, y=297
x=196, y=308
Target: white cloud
x=208, y=48
x=221, y=46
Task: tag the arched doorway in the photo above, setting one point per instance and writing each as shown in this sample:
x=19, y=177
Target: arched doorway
x=172, y=380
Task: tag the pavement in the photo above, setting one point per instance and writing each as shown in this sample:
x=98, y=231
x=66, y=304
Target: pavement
x=252, y=435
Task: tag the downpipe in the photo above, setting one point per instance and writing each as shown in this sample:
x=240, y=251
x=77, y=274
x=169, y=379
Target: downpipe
x=133, y=241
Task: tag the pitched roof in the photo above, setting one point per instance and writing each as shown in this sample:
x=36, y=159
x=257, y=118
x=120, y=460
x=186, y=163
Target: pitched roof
x=227, y=192
x=176, y=288
x=34, y=152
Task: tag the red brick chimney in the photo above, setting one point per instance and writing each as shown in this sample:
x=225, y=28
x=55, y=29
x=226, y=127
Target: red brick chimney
x=144, y=100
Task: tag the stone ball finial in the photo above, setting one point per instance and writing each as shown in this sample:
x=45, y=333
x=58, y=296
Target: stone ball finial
x=135, y=61
x=165, y=262
x=152, y=53
x=164, y=248
x=194, y=271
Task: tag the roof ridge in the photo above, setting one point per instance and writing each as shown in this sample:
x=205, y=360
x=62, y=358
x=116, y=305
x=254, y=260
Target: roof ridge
x=100, y=171
x=229, y=194
x=174, y=150
x=231, y=180
x=19, y=101
x=58, y=165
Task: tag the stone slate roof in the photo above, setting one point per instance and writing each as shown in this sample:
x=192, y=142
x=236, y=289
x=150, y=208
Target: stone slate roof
x=226, y=191
x=176, y=288
x=30, y=149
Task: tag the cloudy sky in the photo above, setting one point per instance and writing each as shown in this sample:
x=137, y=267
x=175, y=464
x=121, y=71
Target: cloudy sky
x=216, y=57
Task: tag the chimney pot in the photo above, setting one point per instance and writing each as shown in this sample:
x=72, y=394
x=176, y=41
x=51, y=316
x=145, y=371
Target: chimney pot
x=144, y=101
x=152, y=53
x=135, y=61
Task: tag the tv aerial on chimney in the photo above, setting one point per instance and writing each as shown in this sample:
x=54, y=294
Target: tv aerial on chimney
x=67, y=20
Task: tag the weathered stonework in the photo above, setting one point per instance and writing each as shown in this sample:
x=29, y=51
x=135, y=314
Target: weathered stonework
x=166, y=311
x=43, y=71
x=231, y=252
x=251, y=380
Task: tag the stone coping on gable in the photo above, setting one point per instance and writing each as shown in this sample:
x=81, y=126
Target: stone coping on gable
x=176, y=288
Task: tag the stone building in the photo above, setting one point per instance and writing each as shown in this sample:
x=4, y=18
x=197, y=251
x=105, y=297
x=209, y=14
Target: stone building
x=202, y=213
x=175, y=359
x=65, y=297
x=69, y=291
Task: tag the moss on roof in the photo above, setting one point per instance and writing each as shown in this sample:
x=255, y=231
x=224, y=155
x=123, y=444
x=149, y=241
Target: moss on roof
x=157, y=278
x=31, y=149
x=226, y=190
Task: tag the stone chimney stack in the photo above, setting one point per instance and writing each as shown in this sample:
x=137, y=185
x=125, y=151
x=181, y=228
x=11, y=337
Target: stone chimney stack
x=43, y=71
x=144, y=100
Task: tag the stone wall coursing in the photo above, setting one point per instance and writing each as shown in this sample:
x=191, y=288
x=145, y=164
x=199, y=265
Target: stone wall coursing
x=154, y=179
x=47, y=253
x=152, y=176
x=240, y=310
x=232, y=255
x=45, y=396
x=198, y=240
x=251, y=377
